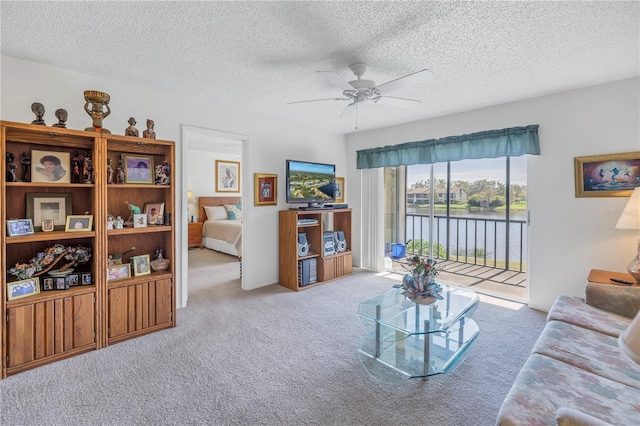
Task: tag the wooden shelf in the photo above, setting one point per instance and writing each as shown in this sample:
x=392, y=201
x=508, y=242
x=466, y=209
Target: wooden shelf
x=50, y=236
x=145, y=230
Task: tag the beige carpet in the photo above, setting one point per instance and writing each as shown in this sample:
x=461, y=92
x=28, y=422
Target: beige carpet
x=269, y=357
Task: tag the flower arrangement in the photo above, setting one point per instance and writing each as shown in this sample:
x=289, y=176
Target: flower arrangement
x=46, y=259
x=421, y=282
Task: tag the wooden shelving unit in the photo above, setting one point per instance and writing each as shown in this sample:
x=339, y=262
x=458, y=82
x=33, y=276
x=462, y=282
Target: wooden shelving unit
x=57, y=324
x=328, y=267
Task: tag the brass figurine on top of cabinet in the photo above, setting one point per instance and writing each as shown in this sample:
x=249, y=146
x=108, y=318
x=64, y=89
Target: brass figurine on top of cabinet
x=61, y=115
x=38, y=110
x=149, y=133
x=98, y=101
x=131, y=130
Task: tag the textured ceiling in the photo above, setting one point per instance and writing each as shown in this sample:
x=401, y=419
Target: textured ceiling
x=261, y=55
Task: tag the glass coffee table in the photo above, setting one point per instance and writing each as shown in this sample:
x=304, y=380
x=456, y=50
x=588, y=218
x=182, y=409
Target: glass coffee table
x=404, y=340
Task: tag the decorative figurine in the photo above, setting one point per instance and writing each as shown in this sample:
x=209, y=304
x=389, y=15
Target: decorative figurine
x=109, y=171
x=120, y=172
x=38, y=110
x=26, y=162
x=133, y=209
x=61, y=115
x=87, y=168
x=11, y=168
x=163, y=172
x=119, y=222
x=98, y=100
x=131, y=130
x=149, y=133
x=75, y=168
x=110, y=221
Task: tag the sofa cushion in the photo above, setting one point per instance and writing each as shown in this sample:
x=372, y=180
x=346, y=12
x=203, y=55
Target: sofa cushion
x=588, y=350
x=574, y=310
x=568, y=417
x=545, y=384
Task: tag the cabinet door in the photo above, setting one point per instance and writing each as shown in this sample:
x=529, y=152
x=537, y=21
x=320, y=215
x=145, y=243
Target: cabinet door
x=49, y=328
x=137, y=307
x=336, y=266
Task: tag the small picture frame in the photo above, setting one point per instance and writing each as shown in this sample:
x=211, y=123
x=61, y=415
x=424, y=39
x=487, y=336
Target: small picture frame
x=118, y=272
x=338, y=193
x=139, y=220
x=227, y=176
x=17, y=227
x=141, y=265
x=73, y=280
x=86, y=278
x=47, y=225
x=138, y=169
x=50, y=167
x=47, y=284
x=23, y=288
x=60, y=283
x=153, y=212
x=265, y=189
x=77, y=223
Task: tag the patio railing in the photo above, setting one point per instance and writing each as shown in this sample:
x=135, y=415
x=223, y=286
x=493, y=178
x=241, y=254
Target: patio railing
x=479, y=241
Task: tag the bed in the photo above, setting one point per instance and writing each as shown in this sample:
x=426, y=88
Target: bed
x=221, y=230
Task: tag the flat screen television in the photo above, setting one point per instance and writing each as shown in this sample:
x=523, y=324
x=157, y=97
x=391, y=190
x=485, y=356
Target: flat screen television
x=310, y=183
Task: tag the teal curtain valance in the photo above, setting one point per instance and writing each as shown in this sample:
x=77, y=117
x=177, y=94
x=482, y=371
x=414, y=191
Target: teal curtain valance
x=512, y=142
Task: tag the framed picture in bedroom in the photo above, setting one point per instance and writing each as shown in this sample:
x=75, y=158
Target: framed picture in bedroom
x=609, y=175
x=265, y=189
x=227, y=176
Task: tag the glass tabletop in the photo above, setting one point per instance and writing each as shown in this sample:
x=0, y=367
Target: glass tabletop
x=392, y=309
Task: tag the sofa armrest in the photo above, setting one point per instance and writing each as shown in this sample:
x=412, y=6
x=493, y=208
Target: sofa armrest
x=568, y=417
x=617, y=299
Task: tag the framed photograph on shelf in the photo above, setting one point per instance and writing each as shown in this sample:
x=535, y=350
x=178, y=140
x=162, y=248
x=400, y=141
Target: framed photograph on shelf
x=16, y=227
x=60, y=283
x=153, y=212
x=118, y=272
x=265, y=189
x=227, y=176
x=87, y=278
x=47, y=226
x=76, y=223
x=138, y=169
x=141, y=265
x=23, y=288
x=139, y=220
x=47, y=284
x=609, y=175
x=50, y=167
x=339, y=191
x=73, y=280
x=48, y=206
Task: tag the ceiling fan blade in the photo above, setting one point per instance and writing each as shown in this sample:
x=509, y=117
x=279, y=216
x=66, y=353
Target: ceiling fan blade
x=348, y=111
x=407, y=80
x=334, y=79
x=317, y=100
x=399, y=102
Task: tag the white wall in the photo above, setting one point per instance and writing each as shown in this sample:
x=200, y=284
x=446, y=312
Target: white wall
x=568, y=236
x=270, y=141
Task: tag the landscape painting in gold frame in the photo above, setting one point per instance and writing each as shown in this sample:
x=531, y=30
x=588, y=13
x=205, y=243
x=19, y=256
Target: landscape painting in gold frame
x=608, y=175
x=265, y=189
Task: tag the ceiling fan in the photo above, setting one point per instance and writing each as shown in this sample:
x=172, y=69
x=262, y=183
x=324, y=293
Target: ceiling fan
x=360, y=90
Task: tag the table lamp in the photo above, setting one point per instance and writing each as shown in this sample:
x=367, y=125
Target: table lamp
x=630, y=219
x=190, y=202
x=629, y=340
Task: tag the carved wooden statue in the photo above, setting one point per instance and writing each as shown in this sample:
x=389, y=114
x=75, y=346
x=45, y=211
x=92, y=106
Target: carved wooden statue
x=38, y=110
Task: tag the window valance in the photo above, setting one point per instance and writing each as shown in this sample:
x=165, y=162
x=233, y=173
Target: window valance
x=514, y=141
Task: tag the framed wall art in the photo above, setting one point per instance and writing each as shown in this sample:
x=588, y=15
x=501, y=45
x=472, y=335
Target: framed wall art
x=50, y=167
x=227, y=176
x=339, y=191
x=265, y=189
x=138, y=169
x=77, y=223
x=48, y=206
x=23, y=288
x=16, y=227
x=609, y=175
x=140, y=265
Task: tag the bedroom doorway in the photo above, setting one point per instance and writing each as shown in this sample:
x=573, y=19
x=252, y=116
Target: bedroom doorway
x=204, y=151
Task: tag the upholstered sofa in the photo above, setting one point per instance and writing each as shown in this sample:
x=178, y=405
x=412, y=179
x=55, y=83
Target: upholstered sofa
x=576, y=373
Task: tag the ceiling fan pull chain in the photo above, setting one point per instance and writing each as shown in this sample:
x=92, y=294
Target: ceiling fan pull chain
x=356, y=116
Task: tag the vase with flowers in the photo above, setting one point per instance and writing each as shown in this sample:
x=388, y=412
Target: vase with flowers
x=420, y=284
x=48, y=258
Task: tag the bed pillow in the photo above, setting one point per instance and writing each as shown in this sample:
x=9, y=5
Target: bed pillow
x=215, y=212
x=234, y=211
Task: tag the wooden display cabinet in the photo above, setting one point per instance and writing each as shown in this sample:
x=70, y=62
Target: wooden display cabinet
x=56, y=324
x=329, y=267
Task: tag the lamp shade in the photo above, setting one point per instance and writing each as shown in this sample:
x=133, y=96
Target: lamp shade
x=629, y=340
x=190, y=197
x=630, y=217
